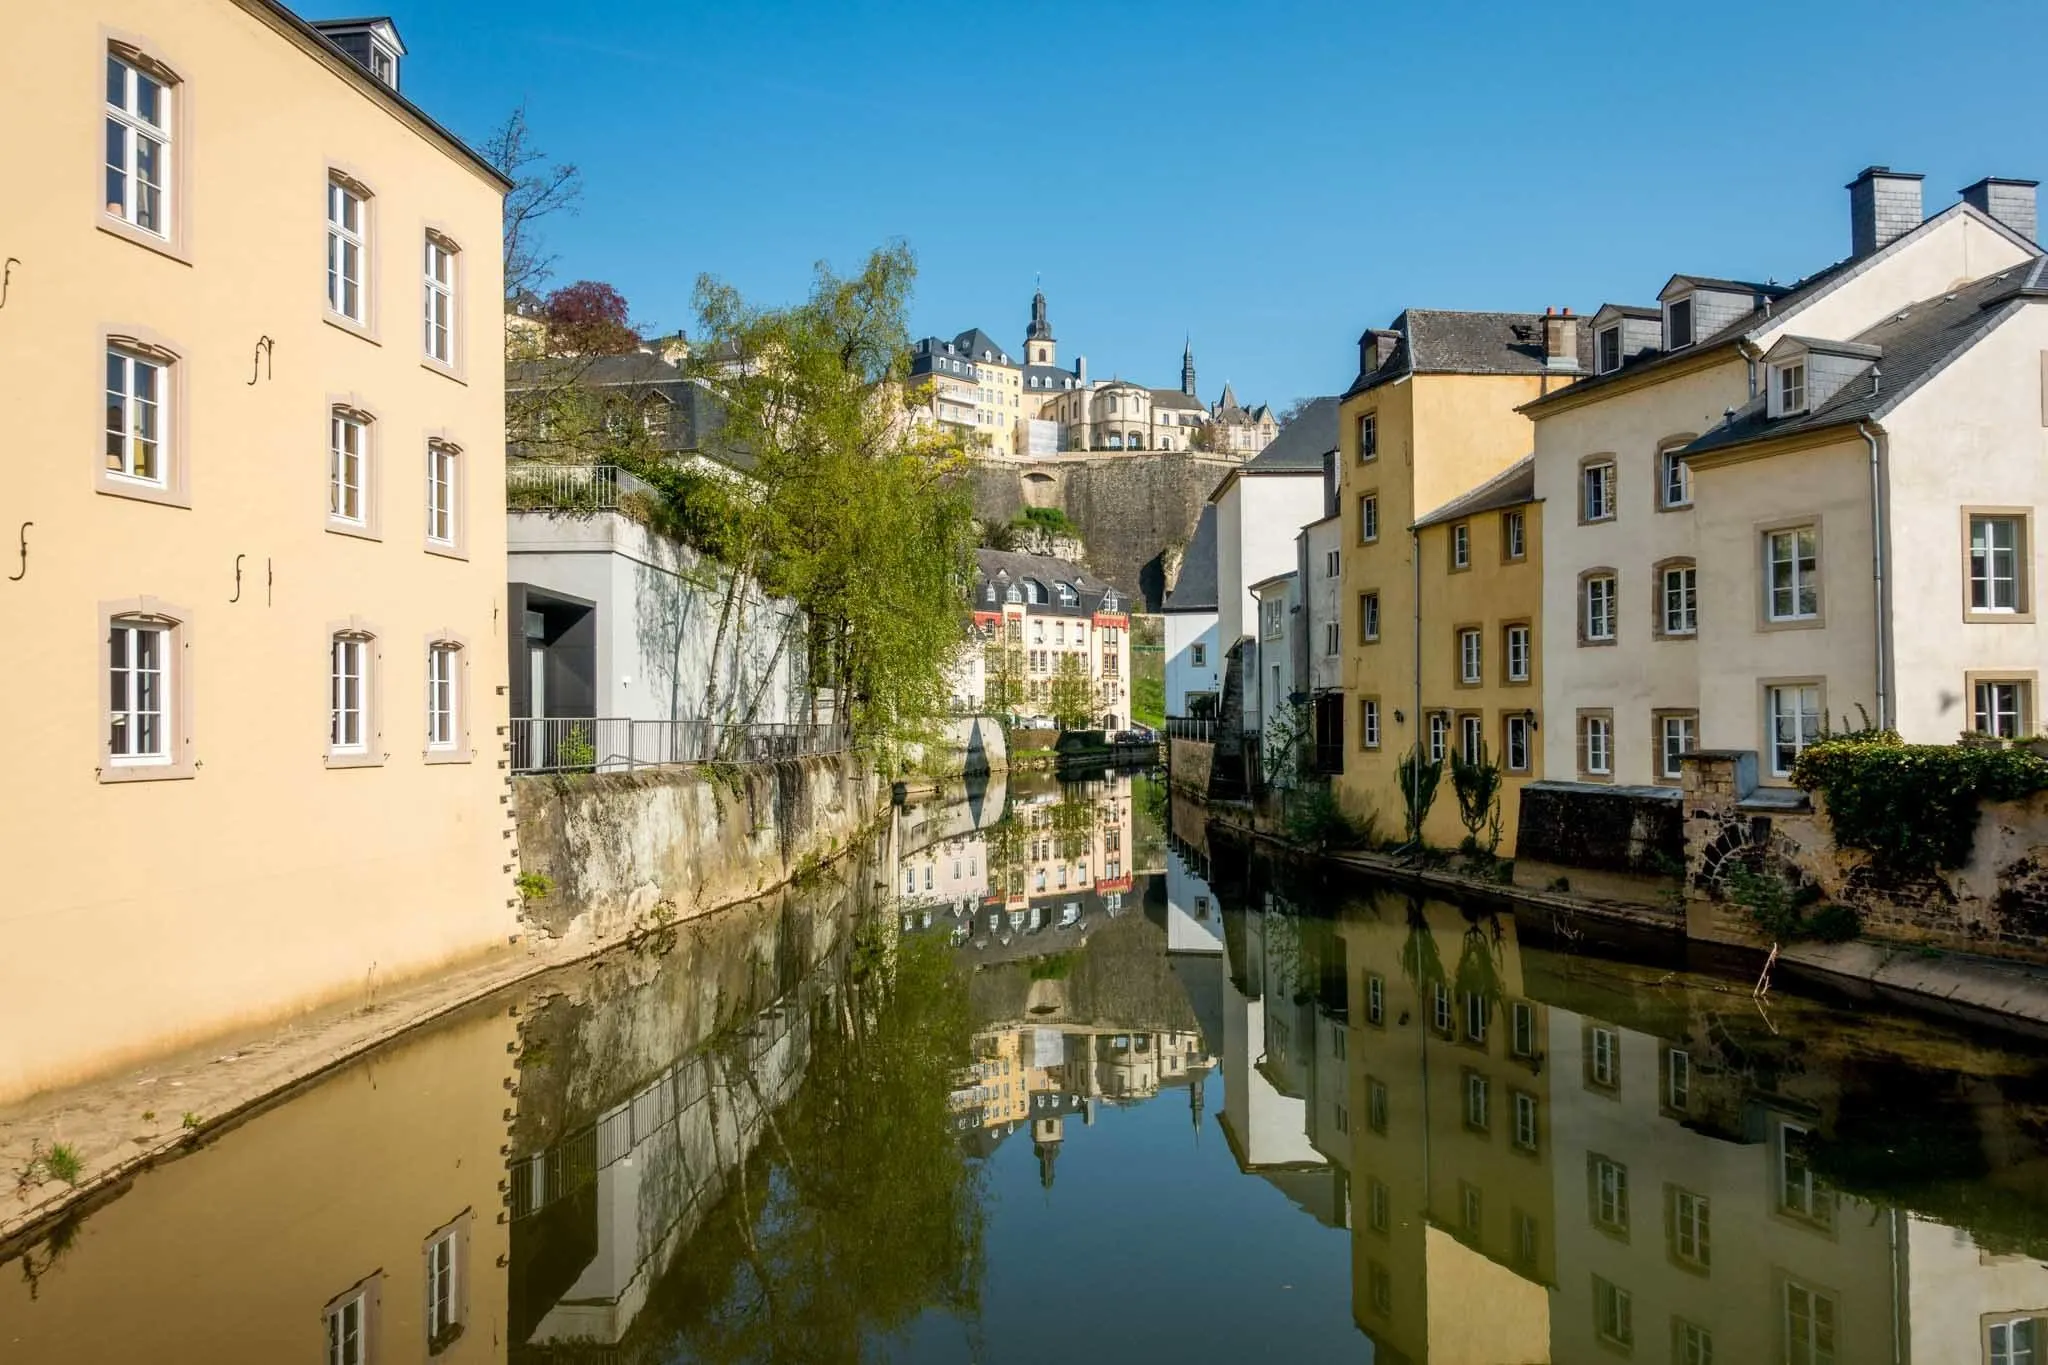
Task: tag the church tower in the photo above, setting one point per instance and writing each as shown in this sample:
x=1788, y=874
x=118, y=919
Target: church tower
x=1039, y=347
x=1187, y=368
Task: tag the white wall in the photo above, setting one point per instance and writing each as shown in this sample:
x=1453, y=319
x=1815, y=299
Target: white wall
x=1194, y=917
x=658, y=607
x=1257, y=519
x=1320, y=596
x=1185, y=630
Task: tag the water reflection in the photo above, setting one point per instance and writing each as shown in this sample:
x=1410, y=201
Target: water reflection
x=1033, y=1061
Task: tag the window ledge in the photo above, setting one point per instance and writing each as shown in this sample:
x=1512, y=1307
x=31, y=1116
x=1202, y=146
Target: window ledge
x=448, y=372
x=437, y=757
x=456, y=552
x=1998, y=618
x=1608, y=643
x=1795, y=623
x=111, y=773
x=353, y=531
x=137, y=491
x=368, y=759
x=360, y=330
x=148, y=241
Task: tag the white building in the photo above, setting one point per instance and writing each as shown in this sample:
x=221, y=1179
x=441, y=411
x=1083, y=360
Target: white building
x=1260, y=508
x=1193, y=660
x=1272, y=664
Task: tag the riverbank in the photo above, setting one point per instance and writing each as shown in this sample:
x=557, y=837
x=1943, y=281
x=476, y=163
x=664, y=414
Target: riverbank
x=1985, y=992
x=623, y=856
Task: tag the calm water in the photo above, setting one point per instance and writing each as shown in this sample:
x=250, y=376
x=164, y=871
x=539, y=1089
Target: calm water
x=1039, y=1079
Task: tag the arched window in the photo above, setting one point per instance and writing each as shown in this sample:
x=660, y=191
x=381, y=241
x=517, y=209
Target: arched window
x=350, y=654
x=444, y=696
x=1034, y=592
x=1068, y=597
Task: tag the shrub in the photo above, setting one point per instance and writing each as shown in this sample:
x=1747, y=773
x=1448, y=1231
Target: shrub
x=1834, y=924
x=1418, y=777
x=1913, y=807
x=1316, y=820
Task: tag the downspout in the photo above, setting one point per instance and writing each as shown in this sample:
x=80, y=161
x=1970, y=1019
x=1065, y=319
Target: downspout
x=1415, y=557
x=1877, y=557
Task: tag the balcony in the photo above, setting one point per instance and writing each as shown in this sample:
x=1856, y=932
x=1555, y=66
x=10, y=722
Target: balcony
x=539, y=487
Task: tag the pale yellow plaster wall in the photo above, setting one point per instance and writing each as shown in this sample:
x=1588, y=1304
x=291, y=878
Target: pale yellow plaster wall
x=144, y=915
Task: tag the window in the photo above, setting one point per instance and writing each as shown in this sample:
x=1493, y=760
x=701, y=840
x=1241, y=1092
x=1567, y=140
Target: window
x=1379, y=1204
x=139, y=693
x=443, y=472
x=1792, y=574
x=1677, y=1080
x=1440, y=1008
x=1329, y=563
x=138, y=401
x=1596, y=498
x=1674, y=482
x=348, y=731
x=1516, y=742
x=138, y=148
x=348, y=468
x=1516, y=640
x=1609, y=1181
x=1603, y=1057
x=1678, y=324
x=1809, y=1326
x=1340, y=1117
x=1525, y=1239
x=1471, y=737
x=1526, y=1128
x=1368, y=518
x=1522, y=1029
x=1368, y=436
x=1596, y=744
x=1439, y=735
x=1330, y=638
x=1477, y=1102
x=1369, y=723
x=1470, y=671
x=1380, y=1288
x=347, y=1329
x=1514, y=535
x=1478, y=1014
x=1691, y=1242
x=1471, y=1209
x=1678, y=600
x=1596, y=613
x=1375, y=999
x=1997, y=565
x=444, y=682
x=1198, y=655
x=1369, y=616
x=2013, y=1341
x=444, y=1311
x=1678, y=734
x=1791, y=389
x=347, y=231
x=1610, y=349
x=1613, y=1314
x=1461, y=546
x=1800, y=1193
x=440, y=300
x=1793, y=715
x=1376, y=1105
x=2000, y=707
x=1694, y=1344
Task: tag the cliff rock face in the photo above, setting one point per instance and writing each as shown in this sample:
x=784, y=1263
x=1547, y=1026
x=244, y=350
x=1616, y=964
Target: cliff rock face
x=1133, y=510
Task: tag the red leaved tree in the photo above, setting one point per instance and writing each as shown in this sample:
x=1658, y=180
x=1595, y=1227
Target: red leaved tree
x=589, y=317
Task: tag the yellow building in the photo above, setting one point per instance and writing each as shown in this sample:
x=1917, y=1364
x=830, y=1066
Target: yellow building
x=255, y=581
x=977, y=386
x=1430, y=432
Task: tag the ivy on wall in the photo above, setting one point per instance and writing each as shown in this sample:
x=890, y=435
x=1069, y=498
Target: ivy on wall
x=1913, y=807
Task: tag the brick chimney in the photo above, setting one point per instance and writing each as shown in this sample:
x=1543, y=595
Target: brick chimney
x=1884, y=205
x=1560, y=340
x=2011, y=202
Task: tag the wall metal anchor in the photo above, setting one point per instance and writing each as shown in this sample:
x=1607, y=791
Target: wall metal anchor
x=260, y=361
x=17, y=577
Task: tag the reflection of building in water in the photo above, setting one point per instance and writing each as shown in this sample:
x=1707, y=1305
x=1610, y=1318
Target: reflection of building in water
x=1017, y=1066
x=1194, y=917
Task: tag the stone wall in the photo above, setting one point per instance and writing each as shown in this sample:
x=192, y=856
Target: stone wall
x=1188, y=762
x=1609, y=842
x=1131, y=509
x=1996, y=904
x=966, y=746
x=616, y=847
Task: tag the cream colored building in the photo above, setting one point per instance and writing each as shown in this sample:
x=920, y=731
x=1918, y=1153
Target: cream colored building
x=1031, y=613
x=976, y=386
x=1629, y=595
x=256, y=531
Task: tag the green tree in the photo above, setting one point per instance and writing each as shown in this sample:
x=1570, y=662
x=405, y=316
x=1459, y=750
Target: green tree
x=1419, y=777
x=1476, y=780
x=1071, y=696
x=1003, y=681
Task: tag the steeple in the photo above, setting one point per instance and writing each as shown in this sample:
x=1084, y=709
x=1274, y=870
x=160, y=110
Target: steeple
x=1229, y=398
x=1187, y=368
x=1039, y=347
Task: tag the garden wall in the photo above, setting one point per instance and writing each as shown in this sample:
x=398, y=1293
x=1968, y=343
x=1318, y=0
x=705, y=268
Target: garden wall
x=1606, y=842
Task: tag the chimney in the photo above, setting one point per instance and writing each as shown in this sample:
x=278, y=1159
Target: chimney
x=1884, y=205
x=2011, y=202
x=1560, y=340
x=1081, y=371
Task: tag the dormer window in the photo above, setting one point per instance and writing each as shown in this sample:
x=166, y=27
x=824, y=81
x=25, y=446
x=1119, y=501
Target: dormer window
x=1678, y=324
x=1791, y=389
x=373, y=44
x=1609, y=358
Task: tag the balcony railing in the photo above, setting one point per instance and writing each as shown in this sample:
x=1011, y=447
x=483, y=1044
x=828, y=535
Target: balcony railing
x=1191, y=727
x=615, y=744
x=535, y=486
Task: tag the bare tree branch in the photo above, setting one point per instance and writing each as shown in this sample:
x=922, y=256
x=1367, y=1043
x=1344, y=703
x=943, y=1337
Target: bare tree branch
x=540, y=188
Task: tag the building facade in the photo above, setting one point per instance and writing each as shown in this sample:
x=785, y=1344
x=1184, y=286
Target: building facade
x=1193, y=661
x=1037, y=622
x=259, y=591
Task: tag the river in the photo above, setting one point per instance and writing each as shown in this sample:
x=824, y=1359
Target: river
x=1042, y=1074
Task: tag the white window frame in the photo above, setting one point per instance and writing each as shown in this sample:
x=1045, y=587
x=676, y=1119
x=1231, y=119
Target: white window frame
x=1332, y=639
x=444, y=1293
x=1606, y=1057
x=128, y=677
x=1370, y=727
x=348, y=468
x=1598, y=606
x=1674, y=479
x=1478, y=1102
x=1330, y=563
x=1610, y=1193
x=349, y=662
x=1368, y=518
x=1369, y=622
x=349, y=1344
x=1686, y=730
x=1678, y=599
x=1515, y=534
x=1804, y=722
x=1528, y=1129
x=1994, y=566
x=1605, y=335
x=1516, y=741
x=1678, y=1079
x=1691, y=1228
x=1788, y=387
x=1522, y=1029
x=348, y=248
x=1461, y=546
x=1518, y=653
x=444, y=495
x=1808, y=1347
x=2000, y=706
x=142, y=420
x=444, y=696
x=1198, y=655
x=1471, y=736
x=1596, y=491
x=1597, y=741
x=1798, y=567
x=438, y=279
x=1440, y=1007
x=1439, y=735
x=1375, y=998
x=1368, y=436
x=135, y=128
x=1471, y=656
x=1671, y=315
x=2002, y=1349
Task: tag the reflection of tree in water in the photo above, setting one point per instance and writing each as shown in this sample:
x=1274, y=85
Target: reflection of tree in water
x=1479, y=962
x=860, y=1210
x=1074, y=819
x=1421, y=963
x=1004, y=845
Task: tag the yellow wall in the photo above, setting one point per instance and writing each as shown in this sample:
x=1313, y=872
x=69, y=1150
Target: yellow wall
x=146, y=914
x=1438, y=436
x=234, y=1251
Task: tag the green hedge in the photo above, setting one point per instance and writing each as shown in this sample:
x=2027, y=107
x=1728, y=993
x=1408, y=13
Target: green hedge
x=1913, y=807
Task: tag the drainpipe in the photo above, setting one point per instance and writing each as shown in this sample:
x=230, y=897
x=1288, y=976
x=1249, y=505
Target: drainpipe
x=1877, y=557
x=1415, y=557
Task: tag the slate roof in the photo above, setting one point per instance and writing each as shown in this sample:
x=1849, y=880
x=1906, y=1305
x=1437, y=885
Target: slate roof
x=1195, y=589
x=1174, y=398
x=1439, y=341
x=1511, y=487
x=1051, y=379
x=696, y=420
x=1302, y=443
x=1010, y=566
x=972, y=342
x=1916, y=343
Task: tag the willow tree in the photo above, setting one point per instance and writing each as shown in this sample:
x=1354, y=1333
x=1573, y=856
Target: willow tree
x=856, y=511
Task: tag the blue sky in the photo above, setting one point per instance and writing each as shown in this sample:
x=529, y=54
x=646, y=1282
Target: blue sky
x=1269, y=179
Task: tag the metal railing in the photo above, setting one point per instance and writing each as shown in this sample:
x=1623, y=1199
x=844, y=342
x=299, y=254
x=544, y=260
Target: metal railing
x=609, y=744
x=1191, y=727
x=539, y=486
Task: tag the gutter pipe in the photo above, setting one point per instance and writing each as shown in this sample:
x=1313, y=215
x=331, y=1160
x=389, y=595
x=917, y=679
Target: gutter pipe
x=1877, y=561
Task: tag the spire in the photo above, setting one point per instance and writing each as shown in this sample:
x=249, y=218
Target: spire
x=1229, y=398
x=1187, y=368
x=1041, y=330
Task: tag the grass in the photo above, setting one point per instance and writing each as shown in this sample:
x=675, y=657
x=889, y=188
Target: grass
x=1148, y=700
x=62, y=1162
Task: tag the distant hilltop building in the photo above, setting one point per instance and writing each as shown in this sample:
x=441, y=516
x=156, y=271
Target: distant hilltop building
x=1030, y=406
